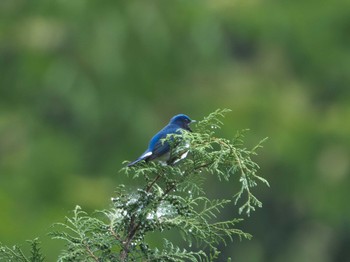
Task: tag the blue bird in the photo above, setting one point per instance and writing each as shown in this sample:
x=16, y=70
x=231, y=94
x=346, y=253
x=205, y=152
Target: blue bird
x=159, y=149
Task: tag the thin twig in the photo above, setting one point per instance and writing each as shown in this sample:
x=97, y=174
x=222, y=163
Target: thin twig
x=91, y=253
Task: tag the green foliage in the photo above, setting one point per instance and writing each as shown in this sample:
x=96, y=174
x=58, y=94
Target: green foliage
x=172, y=197
x=86, y=238
x=84, y=84
x=15, y=254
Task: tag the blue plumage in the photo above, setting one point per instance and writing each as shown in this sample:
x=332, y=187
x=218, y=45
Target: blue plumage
x=157, y=148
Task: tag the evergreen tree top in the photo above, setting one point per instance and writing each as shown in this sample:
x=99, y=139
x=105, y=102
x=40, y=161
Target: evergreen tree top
x=170, y=197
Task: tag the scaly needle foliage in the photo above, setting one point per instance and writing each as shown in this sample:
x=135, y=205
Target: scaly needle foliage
x=172, y=197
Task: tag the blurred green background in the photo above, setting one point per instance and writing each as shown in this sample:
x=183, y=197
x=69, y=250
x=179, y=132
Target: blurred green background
x=85, y=84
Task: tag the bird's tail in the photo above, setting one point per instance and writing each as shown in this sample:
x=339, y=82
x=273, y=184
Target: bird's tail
x=134, y=162
x=144, y=156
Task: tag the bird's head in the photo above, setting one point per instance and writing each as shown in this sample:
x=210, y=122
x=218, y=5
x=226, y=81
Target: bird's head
x=182, y=121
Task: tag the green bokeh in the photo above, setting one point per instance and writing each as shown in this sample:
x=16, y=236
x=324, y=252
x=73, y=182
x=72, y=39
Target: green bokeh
x=85, y=84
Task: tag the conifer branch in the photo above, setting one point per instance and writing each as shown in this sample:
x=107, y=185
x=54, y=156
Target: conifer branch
x=172, y=197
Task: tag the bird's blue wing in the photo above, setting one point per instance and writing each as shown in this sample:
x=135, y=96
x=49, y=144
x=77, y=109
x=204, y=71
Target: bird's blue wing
x=158, y=146
x=159, y=150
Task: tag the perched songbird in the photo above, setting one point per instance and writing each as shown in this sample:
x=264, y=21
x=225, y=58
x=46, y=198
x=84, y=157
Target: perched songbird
x=161, y=149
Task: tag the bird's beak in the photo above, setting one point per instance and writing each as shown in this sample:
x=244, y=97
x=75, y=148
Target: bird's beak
x=192, y=121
